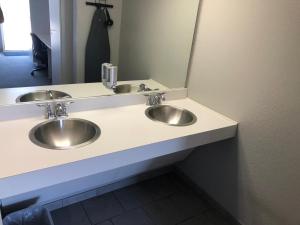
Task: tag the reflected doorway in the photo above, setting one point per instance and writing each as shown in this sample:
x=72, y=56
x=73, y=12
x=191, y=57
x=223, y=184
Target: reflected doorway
x=16, y=29
x=17, y=57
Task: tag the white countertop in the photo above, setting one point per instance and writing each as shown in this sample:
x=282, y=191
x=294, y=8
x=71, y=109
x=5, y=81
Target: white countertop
x=122, y=128
x=8, y=96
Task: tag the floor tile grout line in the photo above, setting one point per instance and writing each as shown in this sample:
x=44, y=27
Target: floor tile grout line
x=119, y=201
x=85, y=211
x=185, y=220
x=108, y=220
x=135, y=207
x=153, y=201
x=111, y=220
x=123, y=209
x=148, y=215
x=143, y=205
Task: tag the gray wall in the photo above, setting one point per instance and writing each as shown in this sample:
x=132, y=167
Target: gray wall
x=39, y=15
x=156, y=39
x=246, y=65
x=66, y=24
x=1, y=40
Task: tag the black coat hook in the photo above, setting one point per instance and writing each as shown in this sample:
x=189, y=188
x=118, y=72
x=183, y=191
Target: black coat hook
x=109, y=22
x=99, y=5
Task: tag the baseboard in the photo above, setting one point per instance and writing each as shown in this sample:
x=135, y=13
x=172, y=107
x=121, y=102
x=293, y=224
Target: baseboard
x=16, y=53
x=108, y=188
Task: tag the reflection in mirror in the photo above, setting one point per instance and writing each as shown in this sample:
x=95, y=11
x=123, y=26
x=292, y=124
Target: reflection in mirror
x=55, y=46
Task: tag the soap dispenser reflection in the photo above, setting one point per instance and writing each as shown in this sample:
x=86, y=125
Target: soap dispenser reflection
x=112, y=77
x=104, y=73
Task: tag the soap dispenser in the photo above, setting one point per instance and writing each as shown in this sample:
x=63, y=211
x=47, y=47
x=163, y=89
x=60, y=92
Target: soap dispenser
x=109, y=75
x=112, y=77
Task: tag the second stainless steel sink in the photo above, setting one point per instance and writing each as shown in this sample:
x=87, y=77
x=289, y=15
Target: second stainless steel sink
x=63, y=134
x=42, y=95
x=171, y=115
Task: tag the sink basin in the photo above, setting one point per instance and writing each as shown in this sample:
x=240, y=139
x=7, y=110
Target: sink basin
x=171, y=115
x=42, y=95
x=123, y=88
x=63, y=134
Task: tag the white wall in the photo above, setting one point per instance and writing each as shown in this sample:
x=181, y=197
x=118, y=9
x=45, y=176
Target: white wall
x=246, y=65
x=55, y=32
x=39, y=14
x=82, y=22
x=156, y=39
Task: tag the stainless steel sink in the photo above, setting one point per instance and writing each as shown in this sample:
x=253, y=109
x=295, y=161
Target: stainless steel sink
x=63, y=134
x=122, y=89
x=42, y=95
x=171, y=115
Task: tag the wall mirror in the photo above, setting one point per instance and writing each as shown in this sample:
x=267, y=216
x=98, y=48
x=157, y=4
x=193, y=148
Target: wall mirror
x=55, y=48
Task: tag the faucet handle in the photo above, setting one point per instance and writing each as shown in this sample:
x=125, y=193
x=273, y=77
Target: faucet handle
x=66, y=103
x=48, y=110
x=43, y=104
x=61, y=109
x=64, y=97
x=142, y=87
x=163, y=96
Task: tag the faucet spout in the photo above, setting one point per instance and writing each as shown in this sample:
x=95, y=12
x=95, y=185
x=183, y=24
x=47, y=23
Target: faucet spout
x=50, y=94
x=55, y=110
x=155, y=99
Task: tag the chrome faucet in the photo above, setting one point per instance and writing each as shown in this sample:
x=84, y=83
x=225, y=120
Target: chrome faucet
x=55, y=110
x=144, y=88
x=154, y=99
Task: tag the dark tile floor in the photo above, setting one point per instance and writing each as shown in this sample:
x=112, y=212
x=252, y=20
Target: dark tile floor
x=164, y=200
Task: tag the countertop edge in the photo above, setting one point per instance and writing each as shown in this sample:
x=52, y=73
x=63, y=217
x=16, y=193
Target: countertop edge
x=39, y=179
